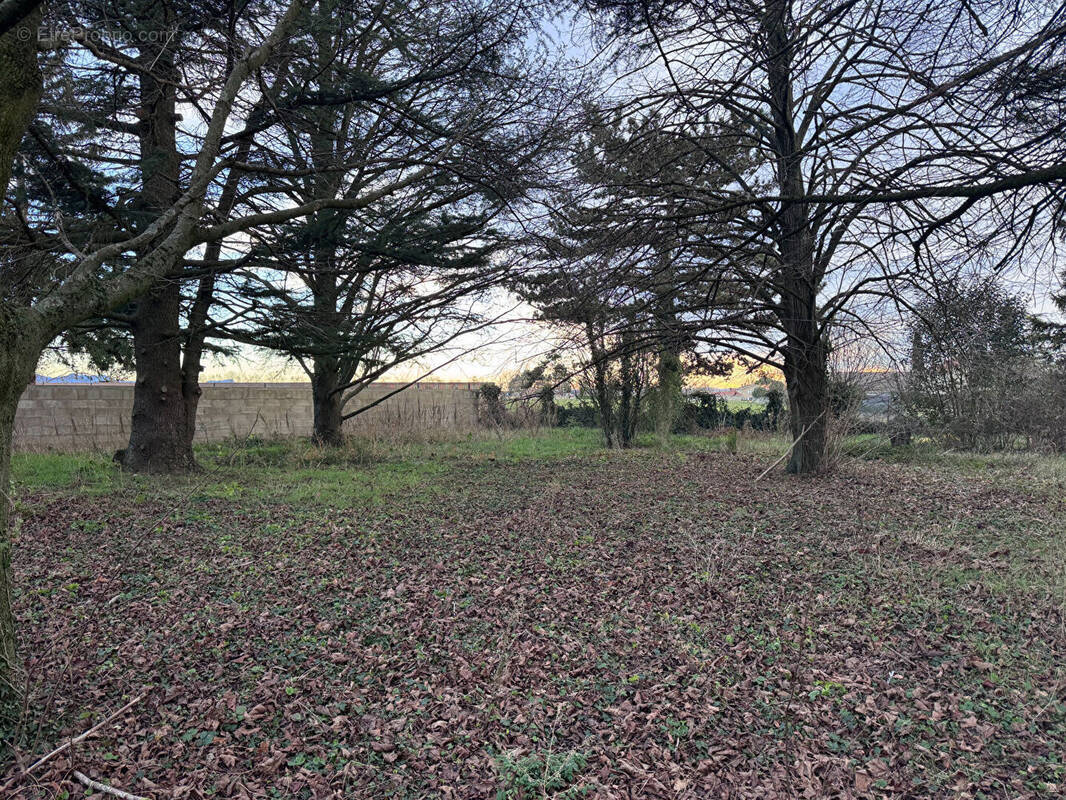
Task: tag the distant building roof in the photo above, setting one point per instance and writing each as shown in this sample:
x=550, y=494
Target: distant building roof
x=72, y=377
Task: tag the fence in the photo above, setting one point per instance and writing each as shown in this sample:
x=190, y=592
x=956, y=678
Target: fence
x=78, y=417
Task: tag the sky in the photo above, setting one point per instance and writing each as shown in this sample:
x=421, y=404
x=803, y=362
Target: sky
x=495, y=354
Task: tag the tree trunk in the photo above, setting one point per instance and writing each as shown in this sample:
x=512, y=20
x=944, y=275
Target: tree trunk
x=193, y=352
x=628, y=397
x=603, y=391
x=327, y=404
x=161, y=432
x=668, y=398
x=799, y=275
x=20, y=89
x=164, y=397
x=808, y=397
x=18, y=358
x=192, y=356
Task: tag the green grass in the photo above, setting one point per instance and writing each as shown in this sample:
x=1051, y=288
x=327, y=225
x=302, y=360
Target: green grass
x=368, y=471
x=751, y=405
x=363, y=472
x=60, y=470
x=285, y=470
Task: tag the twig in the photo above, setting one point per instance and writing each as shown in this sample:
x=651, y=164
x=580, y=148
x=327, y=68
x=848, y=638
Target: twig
x=96, y=786
x=82, y=736
x=789, y=450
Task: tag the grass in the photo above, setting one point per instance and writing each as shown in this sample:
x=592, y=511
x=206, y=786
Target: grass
x=55, y=470
x=295, y=471
x=528, y=615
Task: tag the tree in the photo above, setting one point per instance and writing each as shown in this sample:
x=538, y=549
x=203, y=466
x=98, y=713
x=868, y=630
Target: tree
x=45, y=295
x=453, y=114
x=617, y=239
x=869, y=114
x=971, y=355
x=574, y=291
x=20, y=90
x=109, y=150
x=12, y=12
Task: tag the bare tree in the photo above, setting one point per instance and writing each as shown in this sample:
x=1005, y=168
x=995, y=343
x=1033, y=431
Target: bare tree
x=880, y=124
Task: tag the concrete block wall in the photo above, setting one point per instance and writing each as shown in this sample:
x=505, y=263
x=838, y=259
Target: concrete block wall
x=96, y=417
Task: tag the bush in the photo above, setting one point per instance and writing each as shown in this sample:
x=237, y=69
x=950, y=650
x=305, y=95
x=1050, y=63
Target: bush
x=489, y=407
x=979, y=377
x=701, y=411
x=582, y=415
x=845, y=397
x=775, y=406
x=706, y=411
x=549, y=412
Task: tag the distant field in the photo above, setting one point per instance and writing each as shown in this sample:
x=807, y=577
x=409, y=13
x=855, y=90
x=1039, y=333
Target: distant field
x=523, y=616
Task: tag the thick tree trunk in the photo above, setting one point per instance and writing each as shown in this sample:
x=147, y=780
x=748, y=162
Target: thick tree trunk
x=165, y=397
x=329, y=414
x=161, y=431
x=668, y=398
x=808, y=396
x=18, y=359
x=20, y=89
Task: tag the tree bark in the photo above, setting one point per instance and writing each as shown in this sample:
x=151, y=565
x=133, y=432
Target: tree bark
x=628, y=397
x=19, y=352
x=161, y=432
x=20, y=89
x=192, y=355
x=326, y=399
x=602, y=389
x=668, y=397
x=807, y=380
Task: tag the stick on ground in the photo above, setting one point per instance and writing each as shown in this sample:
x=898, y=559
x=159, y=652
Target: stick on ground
x=96, y=786
x=82, y=736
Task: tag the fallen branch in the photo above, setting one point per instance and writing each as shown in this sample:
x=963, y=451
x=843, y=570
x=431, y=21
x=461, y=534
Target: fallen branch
x=96, y=786
x=82, y=736
x=791, y=447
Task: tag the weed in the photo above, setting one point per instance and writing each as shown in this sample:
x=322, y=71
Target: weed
x=540, y=775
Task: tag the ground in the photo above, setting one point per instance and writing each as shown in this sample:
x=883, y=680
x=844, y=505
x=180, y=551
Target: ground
x=530, y=616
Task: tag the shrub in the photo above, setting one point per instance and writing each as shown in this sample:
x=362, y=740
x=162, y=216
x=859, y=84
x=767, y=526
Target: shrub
x=775, y=405
x=703, y=411
x=845, y=397
x=706, y=411
x=549, y=412
x=581, y=415
x=490, y=408
x=979, y=376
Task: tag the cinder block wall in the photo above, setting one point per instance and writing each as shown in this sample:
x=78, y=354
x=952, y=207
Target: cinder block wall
x=73, y=417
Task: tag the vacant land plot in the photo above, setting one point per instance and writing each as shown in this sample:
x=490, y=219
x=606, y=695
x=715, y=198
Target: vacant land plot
x=534, y=617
